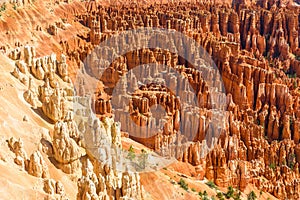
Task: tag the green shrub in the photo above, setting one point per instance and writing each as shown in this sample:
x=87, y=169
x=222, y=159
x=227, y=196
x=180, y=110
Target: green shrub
x=291, y=160
x=3, y=7
x=295, y=84
x=131, y=154
x=200, y=194
x=251, y=196
x=272, y=166
x=183, y=184
x=143, y=159
x=205, y=195
x=283, y=162
x=293, y=156
x=230, y=192
x=292, y=165
x=193, y=189
x=237, y=196
x=211, y=185
x=292, y=75
x=220, y=196
x=131, y=149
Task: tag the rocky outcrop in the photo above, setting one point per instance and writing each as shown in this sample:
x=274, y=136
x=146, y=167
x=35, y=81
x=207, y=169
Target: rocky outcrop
x=72, y=127
x=17, y=146
x=55, y=189
x=37, y=166
x=254, y=53
x=66, y=151
x=31, y=95
x=54, y=107
x=62, y=68
x=254, y=45
x=107, y=184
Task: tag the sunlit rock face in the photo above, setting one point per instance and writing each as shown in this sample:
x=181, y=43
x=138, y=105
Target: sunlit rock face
x=92, y=124
x=255, y=48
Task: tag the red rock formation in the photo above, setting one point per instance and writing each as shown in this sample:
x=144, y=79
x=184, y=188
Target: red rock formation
x=255, y=47
x=252, y=51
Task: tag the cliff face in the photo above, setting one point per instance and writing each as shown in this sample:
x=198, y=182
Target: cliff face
x=253, y=139
x=256, y=49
